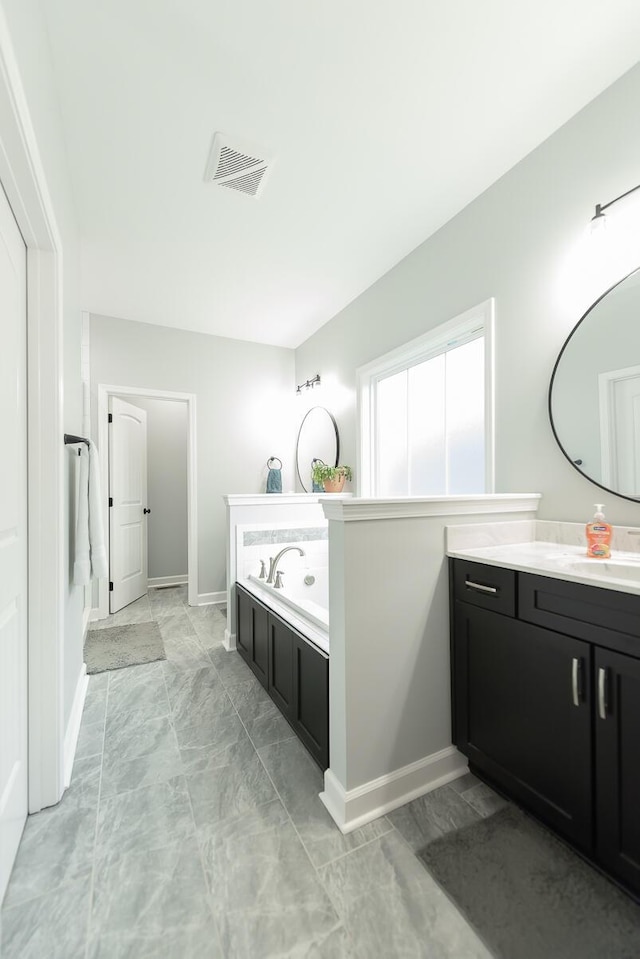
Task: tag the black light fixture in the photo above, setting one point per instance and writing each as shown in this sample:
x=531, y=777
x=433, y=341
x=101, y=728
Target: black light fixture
x=598, y=221
x=308, y=384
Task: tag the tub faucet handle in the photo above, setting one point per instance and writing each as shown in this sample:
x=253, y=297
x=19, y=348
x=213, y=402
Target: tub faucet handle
x=278, y=582
x=263, y=570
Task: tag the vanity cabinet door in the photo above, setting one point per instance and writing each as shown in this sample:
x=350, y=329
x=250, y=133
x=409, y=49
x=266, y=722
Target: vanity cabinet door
x=252, y=637
x=523, y=715
x=311, y=698
x=281, y=644
x=260, y=662
x=617, y=685
x=244, y=627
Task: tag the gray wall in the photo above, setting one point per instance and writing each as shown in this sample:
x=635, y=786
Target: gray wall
x=245, y=406
x=522, y=242
x=166, y=484
x=31, y=45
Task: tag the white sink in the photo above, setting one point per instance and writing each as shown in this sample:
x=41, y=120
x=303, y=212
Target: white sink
x=605, y=568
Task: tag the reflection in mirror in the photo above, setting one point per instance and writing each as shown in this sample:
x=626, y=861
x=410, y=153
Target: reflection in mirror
x=317, y=439
x=594, y=397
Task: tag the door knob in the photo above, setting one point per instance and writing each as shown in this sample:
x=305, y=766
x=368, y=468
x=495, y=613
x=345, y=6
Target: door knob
x=145, y=510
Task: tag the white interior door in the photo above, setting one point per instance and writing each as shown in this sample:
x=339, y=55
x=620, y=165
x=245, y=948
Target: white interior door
x=13, y=541
x=627, y=419
x=620, y=429
x=128, y=510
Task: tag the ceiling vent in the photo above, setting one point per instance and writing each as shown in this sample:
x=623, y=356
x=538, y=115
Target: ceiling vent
x=237, y=166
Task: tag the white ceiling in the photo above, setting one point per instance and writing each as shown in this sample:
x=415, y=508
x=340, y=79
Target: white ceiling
x=385, y=120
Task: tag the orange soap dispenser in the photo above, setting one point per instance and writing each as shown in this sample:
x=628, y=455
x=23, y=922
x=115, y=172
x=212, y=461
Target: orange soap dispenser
x=599, y=534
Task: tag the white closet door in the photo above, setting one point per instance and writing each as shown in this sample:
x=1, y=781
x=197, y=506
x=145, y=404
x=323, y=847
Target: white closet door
x=127, y=516
x=13, y=541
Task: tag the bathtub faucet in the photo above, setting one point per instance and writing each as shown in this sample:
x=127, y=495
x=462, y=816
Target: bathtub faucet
x=273, y=564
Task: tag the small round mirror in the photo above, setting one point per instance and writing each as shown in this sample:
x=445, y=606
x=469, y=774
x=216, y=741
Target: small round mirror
x=318, y=439
x=594, y=396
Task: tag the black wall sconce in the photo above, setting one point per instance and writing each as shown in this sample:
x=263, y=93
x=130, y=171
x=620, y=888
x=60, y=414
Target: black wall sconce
x=308, y=384
x=598, y=221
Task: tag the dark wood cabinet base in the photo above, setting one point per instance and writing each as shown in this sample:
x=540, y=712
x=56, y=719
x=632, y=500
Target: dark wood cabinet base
x=546, y=704
x=291, y=669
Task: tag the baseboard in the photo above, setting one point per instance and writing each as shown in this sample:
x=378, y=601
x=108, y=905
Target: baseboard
x=86, y=617
x=206, y=599
x=229, y=641
x=94, y=615
x=73, y=726
x=156, y=582
x=355, y=807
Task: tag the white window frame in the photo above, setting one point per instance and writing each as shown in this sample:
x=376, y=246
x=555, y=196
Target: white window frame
x=461, y=329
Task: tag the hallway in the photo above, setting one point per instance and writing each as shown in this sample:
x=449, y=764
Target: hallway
x=193, y=830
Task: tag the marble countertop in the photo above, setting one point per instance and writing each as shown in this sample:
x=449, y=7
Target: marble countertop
x=561, y=561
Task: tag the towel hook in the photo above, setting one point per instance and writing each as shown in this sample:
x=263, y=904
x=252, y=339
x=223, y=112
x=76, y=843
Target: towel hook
x=272, y=460
x=70, y=439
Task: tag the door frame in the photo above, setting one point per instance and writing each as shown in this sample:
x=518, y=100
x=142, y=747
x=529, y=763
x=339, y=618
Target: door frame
x=22, y=176
x=105, y=391
x=608, y=450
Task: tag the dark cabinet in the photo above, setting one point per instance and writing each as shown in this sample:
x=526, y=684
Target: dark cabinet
x=294, y=672
x=281, y=647
x=523, y=715
x=252, y=635
x=311, y=699
x=546, y=703
x=617, y=686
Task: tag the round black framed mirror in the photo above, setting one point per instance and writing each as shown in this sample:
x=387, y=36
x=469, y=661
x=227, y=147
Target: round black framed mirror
x=318, y=439
x=594, y=394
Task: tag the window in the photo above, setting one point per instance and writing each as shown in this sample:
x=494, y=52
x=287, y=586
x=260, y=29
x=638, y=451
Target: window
x=426, y=413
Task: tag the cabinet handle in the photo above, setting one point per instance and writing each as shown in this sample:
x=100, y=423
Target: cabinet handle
x=483, y=589
x=575, y=680
x=602, y=693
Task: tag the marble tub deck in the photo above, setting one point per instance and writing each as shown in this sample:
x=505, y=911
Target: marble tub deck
x=193, y=830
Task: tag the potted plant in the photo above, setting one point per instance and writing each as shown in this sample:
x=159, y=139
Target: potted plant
x=331, y=478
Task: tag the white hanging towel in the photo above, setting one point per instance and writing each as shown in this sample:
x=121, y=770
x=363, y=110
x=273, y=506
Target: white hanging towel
x=91, y=554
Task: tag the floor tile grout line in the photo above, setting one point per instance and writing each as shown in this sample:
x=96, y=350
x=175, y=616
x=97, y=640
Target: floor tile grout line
x=208, y=894
x=284, y=805
x=443, y=890
x=40, y=895
x=341, y=917
x=95, y=836
x=363, y=845
x=315, y=868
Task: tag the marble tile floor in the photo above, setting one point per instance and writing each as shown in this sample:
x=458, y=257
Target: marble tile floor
x=193, y=830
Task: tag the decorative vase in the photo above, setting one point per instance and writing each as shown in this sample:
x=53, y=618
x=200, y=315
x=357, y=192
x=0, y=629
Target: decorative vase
x=334, y=485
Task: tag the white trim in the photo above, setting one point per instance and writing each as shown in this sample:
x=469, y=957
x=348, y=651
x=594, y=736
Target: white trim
x=22, y=175
x=229, y=640
x=86, y=619
x=353, y=808
x=158, y=582
x=208, y=599
x=73, y=726
x=85, y=376
x=432, y=343
x=104, y=392
x=279, y=499
x=358, y=510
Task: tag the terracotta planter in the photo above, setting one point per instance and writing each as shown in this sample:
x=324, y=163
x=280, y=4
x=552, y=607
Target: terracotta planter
x=335, y=485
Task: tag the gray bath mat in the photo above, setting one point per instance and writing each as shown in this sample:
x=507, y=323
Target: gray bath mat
x=123, y=646
x=529, y=896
